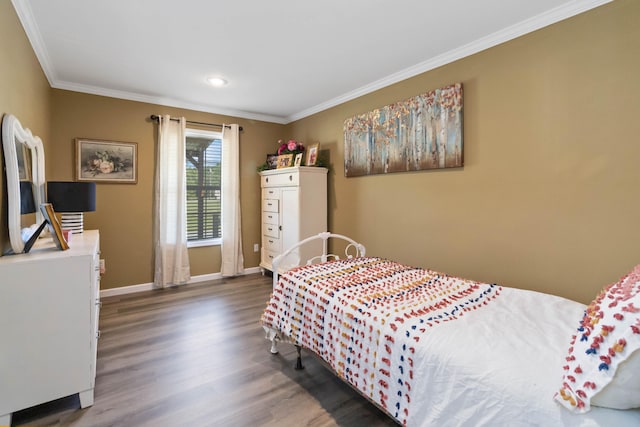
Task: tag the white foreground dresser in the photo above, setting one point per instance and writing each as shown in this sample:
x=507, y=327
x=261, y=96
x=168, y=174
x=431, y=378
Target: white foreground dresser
x=294, y=207
x=49, y=308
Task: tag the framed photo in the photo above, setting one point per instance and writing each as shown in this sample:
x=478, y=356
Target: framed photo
x=312, y=154
x=106, y=161
x=298, y=160
x=54, y=226
x=272, y=161
x=284, y=160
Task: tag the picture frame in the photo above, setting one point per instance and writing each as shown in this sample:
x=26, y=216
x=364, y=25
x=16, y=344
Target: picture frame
x=106, y=161
x=312, y=154
x=272, y=161
x=423, y=132
x=285, y=160
x=298, y=160
x=54, y=226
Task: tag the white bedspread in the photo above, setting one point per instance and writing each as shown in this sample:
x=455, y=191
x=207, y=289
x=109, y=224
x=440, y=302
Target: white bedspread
x=502, y=365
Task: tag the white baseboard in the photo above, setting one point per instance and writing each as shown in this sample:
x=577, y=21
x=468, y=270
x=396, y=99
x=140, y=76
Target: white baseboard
x=149, y=286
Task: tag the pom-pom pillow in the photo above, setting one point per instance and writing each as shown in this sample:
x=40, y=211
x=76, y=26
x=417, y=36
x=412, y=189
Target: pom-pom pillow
x=603, y=365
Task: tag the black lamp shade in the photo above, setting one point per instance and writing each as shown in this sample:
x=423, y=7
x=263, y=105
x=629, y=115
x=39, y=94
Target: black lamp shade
x=71, y=196
x=27, y=205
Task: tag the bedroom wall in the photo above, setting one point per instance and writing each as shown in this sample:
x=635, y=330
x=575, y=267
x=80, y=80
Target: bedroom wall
x=24, y=92
x=124, y=211
x=548, y=197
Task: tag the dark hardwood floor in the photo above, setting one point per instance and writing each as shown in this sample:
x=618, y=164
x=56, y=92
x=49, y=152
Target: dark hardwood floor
x=196, y=356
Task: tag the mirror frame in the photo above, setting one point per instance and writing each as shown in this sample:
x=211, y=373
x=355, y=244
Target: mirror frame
x=14, y=136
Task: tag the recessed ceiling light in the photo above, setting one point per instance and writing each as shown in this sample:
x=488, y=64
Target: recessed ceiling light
x=217, y=81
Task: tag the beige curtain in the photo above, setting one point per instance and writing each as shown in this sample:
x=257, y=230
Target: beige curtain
x=232, y=258
x=170, y=235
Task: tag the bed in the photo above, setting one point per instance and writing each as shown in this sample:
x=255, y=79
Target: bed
x=433, y=349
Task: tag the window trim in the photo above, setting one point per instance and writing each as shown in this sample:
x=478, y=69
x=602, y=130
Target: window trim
x=202, y=243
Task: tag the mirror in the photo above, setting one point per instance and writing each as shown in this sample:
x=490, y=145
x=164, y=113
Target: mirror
x=24, y=162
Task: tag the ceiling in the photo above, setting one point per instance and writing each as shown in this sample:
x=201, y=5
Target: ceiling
x=283, y=59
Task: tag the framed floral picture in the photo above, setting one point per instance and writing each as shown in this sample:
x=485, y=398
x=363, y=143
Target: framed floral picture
x=106, y=161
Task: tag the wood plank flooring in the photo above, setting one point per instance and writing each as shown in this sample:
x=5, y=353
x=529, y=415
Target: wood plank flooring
x=196, y=356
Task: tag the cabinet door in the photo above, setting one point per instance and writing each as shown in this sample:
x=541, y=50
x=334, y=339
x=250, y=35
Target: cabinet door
x=290, y=217
x=45, y=319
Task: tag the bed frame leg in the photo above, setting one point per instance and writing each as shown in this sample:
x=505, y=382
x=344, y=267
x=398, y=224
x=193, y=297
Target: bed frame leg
x=299, y=359
x=274, y=346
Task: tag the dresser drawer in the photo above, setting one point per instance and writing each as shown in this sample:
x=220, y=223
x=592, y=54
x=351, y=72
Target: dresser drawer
x=270, y=205
x=269, y=256
x=271, y=244
x=270, y=230
x=271, y=193
x=280, y=180
x=270, y=217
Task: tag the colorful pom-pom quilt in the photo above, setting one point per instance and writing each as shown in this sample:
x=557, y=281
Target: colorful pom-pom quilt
x=433, y=349
x=365, y=316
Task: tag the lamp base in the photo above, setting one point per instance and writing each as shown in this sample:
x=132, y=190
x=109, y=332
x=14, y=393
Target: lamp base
x=72, y=221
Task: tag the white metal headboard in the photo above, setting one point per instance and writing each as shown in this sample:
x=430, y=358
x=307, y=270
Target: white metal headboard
x=353, y=249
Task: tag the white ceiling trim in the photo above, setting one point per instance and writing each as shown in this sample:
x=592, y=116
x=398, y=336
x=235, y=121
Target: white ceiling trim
x=169, y=102
x=23, y=10
x=509, y=33
x=555, y=15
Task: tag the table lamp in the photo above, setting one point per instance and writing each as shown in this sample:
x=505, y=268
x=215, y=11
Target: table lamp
x=72, y=199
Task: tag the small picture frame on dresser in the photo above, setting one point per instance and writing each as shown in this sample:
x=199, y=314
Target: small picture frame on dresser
x=298, y=160
x=272, y=161
x=312, y=155
x=285, y=160
x=54, y=226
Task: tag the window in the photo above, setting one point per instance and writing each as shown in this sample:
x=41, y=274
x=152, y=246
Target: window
x=203, y=155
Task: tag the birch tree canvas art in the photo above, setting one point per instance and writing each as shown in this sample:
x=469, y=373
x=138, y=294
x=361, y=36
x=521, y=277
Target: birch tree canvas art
x=422, y=132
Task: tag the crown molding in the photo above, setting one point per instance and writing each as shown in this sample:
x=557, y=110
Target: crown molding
x=25, y=15
x=168, y=102
x=550, y=17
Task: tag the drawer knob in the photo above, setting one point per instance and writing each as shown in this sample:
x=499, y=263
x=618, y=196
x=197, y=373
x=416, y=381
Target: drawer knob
x=267, y=179
x=290, y=177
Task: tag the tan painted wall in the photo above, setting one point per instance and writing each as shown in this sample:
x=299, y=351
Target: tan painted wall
x=24, y=92
x=124, y=211
x=548, y=197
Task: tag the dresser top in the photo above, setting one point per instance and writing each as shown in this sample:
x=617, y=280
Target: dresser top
x=85, y=243
x=295, y=169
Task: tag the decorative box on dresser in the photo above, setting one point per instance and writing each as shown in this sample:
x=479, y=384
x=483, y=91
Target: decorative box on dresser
x=294, y=207
x=49, y=308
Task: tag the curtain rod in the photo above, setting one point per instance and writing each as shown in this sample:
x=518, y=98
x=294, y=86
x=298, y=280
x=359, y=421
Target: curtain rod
x=155, y=118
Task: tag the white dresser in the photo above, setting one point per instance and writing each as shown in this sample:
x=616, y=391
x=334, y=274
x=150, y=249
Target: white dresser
x=49, y=308
x=294, y=207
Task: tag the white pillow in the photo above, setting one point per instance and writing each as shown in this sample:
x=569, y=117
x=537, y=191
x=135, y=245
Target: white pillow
x=603, y=365
x=624, y=391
